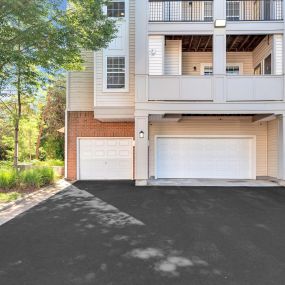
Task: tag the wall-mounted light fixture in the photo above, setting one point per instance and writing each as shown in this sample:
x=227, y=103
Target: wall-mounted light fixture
x=220, y=23
x=153, y=52
x=194, y=68
x=141, y=134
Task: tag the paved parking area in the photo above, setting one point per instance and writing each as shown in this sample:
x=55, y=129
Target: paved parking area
x=113, y=233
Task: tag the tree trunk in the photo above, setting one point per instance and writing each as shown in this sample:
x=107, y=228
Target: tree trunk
x=39, y=139
x=16, y=143
x=17, y=121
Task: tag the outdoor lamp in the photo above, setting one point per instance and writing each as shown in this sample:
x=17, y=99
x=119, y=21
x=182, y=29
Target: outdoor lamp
x=220, y=23
x=141, y=134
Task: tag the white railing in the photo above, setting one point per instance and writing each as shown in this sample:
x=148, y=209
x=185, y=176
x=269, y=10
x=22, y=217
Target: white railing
x=202, y=88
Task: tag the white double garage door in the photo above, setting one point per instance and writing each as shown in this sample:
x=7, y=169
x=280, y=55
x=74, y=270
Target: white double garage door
x=205, y=157
x=175, y=157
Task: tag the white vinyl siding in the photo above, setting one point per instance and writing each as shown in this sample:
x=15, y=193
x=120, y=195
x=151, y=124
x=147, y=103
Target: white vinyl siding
x=272, y=151
x=278, y=54
x=81, y=85
x=214, y=126
x=173, y=56
x=156, y=55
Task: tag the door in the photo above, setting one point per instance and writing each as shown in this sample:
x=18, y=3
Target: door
x=267, y=65
x=204, y=157
x=105, y=158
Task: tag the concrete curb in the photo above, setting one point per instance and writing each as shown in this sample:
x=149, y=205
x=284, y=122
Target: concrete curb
x=30, y=195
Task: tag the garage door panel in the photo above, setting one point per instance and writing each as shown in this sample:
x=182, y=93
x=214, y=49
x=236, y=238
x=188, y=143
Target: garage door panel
x=187, y=157
x=105, y=158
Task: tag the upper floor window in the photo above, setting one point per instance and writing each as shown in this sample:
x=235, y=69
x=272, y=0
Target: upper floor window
x=116, y=72
x=233, y=10
x=116, y=9
x=207, y=69
x=232, y=70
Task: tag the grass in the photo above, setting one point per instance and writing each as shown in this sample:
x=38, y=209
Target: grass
x=9, y=197
x=26, y=179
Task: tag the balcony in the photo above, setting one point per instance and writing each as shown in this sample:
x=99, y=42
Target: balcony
x=254, y=10
x=202, y=88
x=181, y=68
x=180, y=11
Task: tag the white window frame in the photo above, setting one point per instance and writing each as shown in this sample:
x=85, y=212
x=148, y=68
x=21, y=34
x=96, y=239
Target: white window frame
x=106, y=75
x=202, y=68
x=240, y=66
x=203, y=16
x=203, y=65
x=239, y=16
x=106, y=8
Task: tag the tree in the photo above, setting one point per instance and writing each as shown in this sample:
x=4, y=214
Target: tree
x=51, y=120
x=38, y=39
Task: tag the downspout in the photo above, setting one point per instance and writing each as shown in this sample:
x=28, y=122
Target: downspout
x=66, y=127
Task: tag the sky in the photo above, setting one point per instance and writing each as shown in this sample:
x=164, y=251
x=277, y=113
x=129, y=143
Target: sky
x=63, y=5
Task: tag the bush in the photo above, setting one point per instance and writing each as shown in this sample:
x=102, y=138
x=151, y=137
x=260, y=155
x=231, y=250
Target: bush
x=36, y=177
x=8, y=178
x=29, y=178
x=47, y=175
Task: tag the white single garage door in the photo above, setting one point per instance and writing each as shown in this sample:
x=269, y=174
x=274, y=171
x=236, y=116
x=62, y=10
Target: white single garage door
x=105, y=158
x=205, y=157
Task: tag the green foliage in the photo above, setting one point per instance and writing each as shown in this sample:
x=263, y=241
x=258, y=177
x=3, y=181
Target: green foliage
x=8, y=178
x=36, y=178
x=9, y=197
x=26, y=179
x=54, y=147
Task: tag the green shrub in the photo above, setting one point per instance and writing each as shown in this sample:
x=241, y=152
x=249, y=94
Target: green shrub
x=47, y=175
x=24, y=179
x=30, y=178
x=8, y=178
x=9, y=197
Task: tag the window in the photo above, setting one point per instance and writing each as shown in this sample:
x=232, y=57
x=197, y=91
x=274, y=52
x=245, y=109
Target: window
x=208, y=9
x=232, y=70
x=116, y=72
x=116, y=9
x=233, y=10
x=208, y=70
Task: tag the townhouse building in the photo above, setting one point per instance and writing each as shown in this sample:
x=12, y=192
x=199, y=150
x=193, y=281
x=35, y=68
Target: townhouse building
x=187, y=89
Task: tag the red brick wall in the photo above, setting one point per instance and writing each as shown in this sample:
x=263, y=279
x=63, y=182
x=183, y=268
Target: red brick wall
x=83, y=124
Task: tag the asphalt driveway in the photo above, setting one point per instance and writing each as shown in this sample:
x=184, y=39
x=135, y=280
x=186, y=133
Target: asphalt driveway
x=113, y=233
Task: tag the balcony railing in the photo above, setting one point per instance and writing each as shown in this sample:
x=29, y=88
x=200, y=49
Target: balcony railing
x=201, y=88
x=255, y=10
x=180, y=11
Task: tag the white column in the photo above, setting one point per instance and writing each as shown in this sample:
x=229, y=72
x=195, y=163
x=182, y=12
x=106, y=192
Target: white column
x=281, y=147
x=141, y=150
x=219, y=9
x=141, y=59
x=219, y=64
